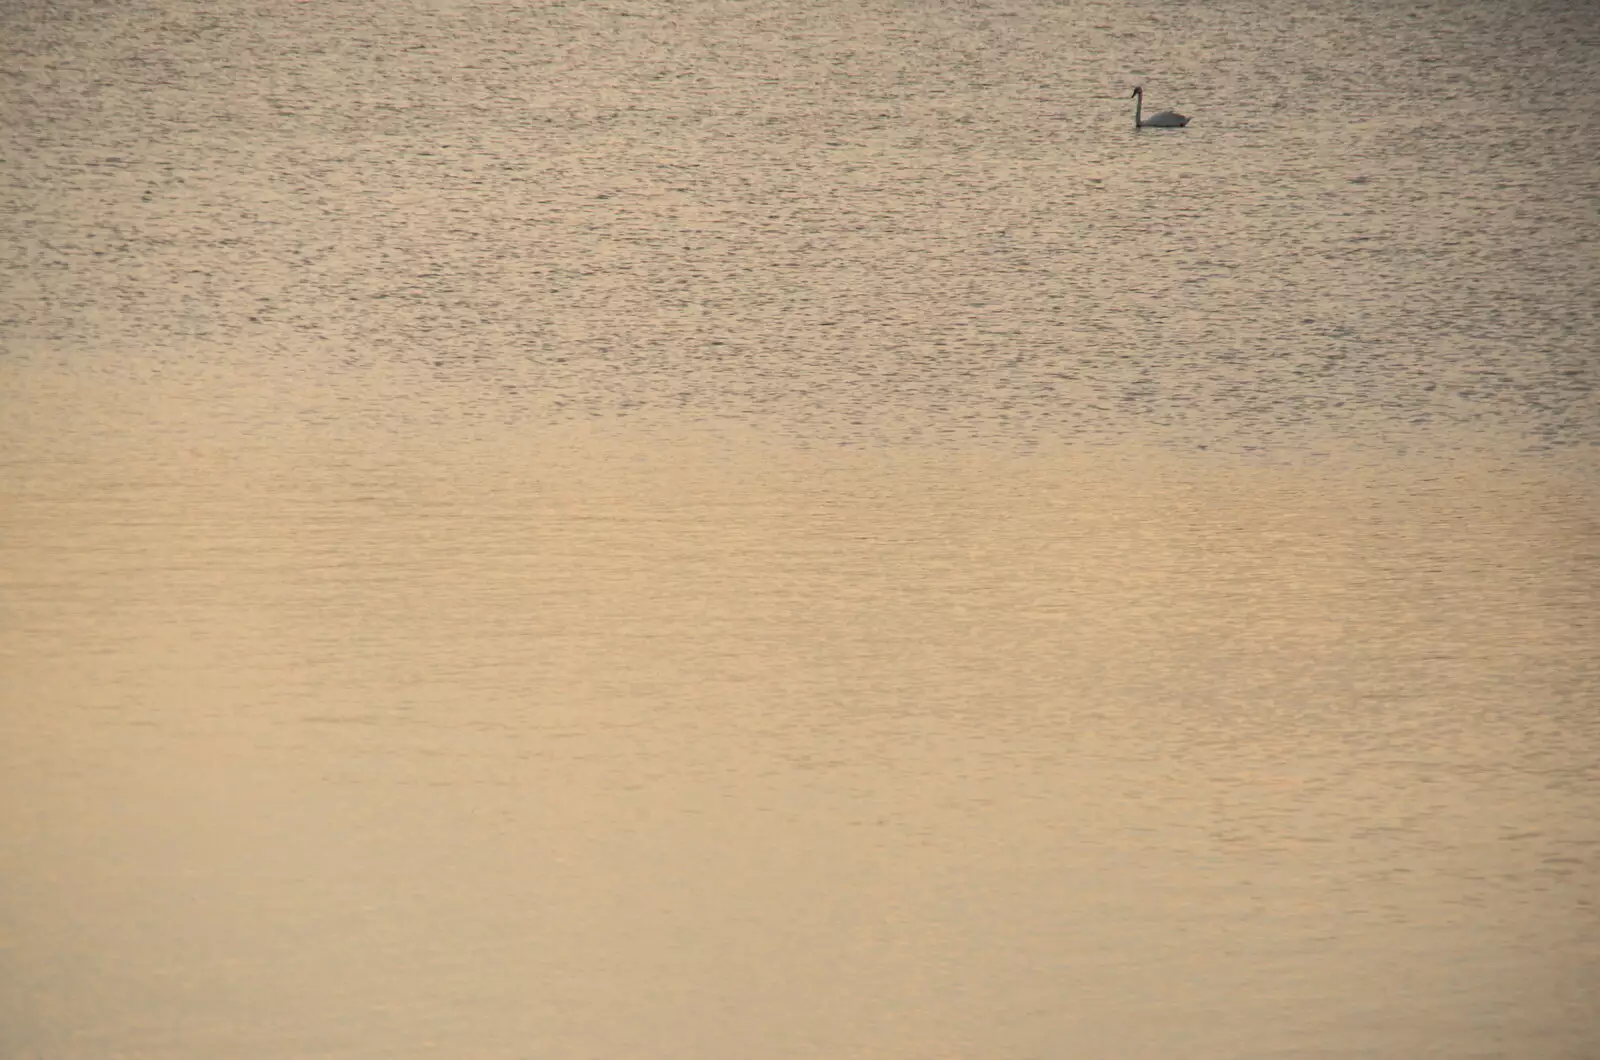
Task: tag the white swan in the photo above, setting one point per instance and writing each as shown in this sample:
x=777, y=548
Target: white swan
x=1167, y=119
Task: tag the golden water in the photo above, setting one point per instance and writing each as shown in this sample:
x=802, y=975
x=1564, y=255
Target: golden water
x=791, y=531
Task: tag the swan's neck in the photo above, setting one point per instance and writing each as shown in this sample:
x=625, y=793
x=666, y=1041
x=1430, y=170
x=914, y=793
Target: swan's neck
x=1138, y=110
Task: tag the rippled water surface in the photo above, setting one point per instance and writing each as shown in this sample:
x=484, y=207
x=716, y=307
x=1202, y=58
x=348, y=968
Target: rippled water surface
x=768, y=530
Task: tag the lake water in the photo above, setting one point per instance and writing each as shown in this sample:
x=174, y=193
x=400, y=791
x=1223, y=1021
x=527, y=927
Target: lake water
x=791, y=530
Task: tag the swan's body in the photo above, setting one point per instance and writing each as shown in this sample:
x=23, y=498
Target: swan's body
x=1167, y=119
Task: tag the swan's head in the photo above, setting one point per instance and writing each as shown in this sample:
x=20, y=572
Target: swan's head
x=1138, y=90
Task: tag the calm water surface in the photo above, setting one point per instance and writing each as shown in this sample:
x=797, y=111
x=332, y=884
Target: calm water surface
x=778, y=530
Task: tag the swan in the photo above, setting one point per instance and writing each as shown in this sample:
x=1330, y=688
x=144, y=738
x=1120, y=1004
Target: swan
x=1167, y=119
